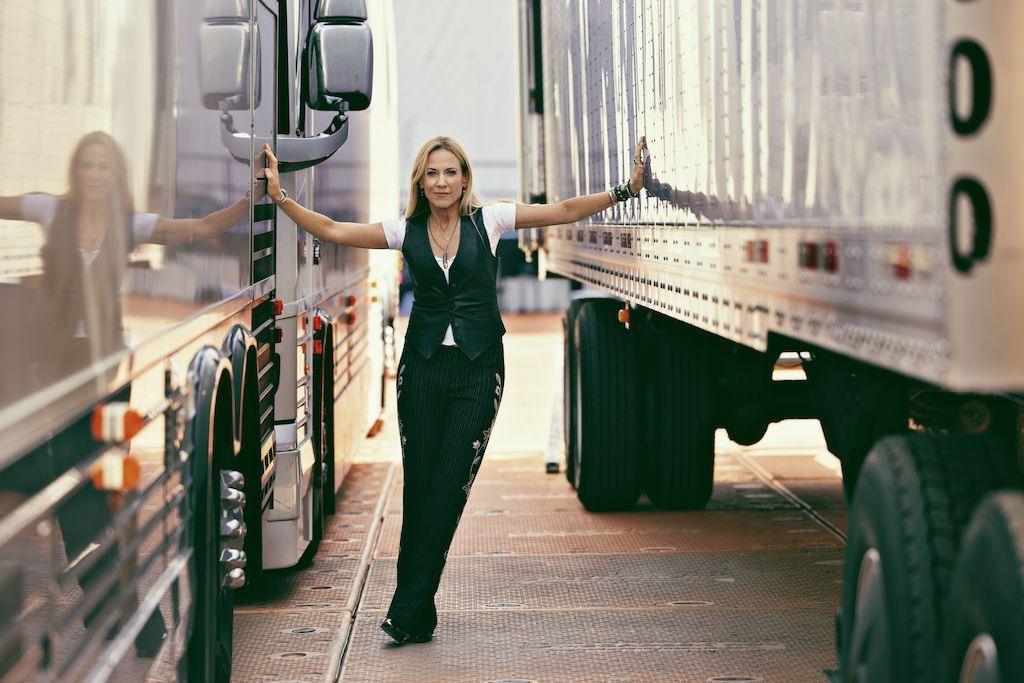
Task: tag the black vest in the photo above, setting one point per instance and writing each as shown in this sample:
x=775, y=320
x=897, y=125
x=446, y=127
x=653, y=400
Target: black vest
x=469, y=303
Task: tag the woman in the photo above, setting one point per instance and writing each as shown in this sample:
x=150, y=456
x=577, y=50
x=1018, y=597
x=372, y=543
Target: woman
x=450, y=376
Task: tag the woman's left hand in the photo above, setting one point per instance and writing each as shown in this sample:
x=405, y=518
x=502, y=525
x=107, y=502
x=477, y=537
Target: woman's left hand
x=271, y=174
x=636, y=180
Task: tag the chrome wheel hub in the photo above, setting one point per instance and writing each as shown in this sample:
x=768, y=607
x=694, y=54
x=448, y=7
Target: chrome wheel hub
x=232, y=529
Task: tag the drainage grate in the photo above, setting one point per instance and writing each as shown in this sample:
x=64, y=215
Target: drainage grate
x=284, y=646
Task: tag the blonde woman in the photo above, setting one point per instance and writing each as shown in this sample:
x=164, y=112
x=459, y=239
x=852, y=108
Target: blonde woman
x=451, y=373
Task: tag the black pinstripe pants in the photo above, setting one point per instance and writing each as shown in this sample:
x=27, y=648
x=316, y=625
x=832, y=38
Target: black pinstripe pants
x=446, y=409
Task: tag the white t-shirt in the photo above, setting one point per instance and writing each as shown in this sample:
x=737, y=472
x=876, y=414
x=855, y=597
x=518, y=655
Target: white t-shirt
x=499, y=218
x=42, y=209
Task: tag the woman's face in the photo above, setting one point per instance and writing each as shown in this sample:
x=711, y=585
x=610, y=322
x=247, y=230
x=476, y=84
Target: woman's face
x=443, y=180
x=95, y=173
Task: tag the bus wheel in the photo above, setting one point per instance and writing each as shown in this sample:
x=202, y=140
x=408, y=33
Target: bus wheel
x=676, y=378
x=605, y=467
x=251, y=483
x=330, y=483
x=914, y=496
x=318, y=485
x=216, y=507
x=985, y=622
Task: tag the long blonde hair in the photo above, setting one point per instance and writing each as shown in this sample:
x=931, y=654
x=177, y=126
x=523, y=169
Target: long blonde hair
x=418, y=203
x=121, y=196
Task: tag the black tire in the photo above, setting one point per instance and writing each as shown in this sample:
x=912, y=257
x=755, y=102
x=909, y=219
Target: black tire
x=252, y=470
x=987, y=592
x=318, y=485
x=324, y=410
x=605, y=469
x=677, y=370
x=240, y=348
x=569, y=388
x=210, y=646
x=914, y=497
x=330, y=484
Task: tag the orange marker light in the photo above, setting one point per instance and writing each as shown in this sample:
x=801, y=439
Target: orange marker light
x=115, y=422
x=116, y=472
x=278, y=307
x=624, y=316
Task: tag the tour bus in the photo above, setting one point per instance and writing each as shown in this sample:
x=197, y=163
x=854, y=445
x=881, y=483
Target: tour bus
x=834, y=180
x=185, y=376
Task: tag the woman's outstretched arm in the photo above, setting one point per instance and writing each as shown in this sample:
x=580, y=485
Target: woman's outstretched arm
x=366, y=235
x=184, y=230
x=578, y=208
x=10, y=208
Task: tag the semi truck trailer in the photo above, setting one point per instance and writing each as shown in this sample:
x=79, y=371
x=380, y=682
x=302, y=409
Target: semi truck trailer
x=829, y=180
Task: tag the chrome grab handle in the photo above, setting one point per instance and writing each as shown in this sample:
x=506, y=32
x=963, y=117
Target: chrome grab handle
x=293, y=153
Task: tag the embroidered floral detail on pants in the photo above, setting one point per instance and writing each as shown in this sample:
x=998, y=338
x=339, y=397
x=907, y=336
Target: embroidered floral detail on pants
x=398, y=395
x=481, y=444
x=497, y=391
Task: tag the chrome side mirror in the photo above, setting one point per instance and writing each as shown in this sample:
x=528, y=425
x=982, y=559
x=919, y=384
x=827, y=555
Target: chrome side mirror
x=338, y=74
x=339, y=54
x=226, y=40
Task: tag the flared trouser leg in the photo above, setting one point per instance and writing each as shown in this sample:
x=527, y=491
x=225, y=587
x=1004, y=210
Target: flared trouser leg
x=447, y=405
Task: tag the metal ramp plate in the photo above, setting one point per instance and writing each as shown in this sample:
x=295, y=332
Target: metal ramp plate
x=627, y=645
x=734, y=581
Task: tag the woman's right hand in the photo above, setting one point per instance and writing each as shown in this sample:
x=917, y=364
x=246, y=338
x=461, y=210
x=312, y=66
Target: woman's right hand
x=270, y=172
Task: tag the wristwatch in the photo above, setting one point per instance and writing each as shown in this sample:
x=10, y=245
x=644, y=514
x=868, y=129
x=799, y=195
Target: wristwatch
x=284, y=196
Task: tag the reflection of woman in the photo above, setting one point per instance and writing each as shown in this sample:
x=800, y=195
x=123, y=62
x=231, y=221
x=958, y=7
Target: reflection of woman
x=89, y=233
x=452, y=367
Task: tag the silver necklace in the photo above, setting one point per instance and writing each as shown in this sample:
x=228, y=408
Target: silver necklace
x=444, y=249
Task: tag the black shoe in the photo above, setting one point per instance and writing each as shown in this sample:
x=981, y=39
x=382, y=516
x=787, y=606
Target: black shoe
x=402, y=636
x=149, y=647
x=152, y=636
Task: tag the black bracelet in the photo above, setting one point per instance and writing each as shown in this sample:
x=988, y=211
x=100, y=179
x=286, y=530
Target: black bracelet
x=621, y=192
